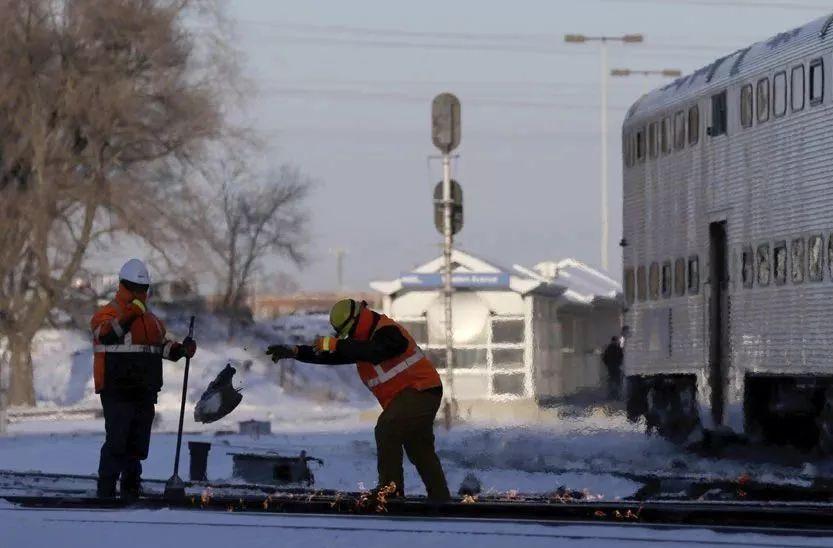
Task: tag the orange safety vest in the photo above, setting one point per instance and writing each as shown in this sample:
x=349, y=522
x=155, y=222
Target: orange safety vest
x=134, y=363
x=411, y=369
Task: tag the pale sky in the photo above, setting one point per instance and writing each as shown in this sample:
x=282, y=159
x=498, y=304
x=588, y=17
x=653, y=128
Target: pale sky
x=344, y=91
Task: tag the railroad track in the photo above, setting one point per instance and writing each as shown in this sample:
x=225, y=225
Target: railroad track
x=59, y=491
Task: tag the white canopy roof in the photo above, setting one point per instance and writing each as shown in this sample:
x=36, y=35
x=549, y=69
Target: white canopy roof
x=567, y=278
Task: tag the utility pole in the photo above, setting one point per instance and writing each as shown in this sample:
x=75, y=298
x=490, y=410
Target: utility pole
x=339, y=254
x=603, y=41
x=4, y=374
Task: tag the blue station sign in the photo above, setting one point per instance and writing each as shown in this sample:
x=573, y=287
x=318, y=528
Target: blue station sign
x=469, y=280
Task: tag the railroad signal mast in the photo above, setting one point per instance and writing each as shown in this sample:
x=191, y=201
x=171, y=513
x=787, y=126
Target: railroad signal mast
x=445, y=134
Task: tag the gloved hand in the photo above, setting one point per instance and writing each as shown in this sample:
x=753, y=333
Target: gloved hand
x=189, y=347
x=325, y=344
x=281, y=352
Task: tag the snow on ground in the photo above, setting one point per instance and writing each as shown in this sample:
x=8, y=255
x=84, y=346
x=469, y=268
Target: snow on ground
x=62, y=362
x=327, y=412
x=24, y=528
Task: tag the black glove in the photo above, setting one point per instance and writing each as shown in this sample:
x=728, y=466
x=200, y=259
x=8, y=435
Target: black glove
x=281, y=352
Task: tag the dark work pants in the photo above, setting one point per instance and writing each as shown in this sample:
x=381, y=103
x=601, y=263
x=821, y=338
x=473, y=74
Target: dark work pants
x=127, y=424
x=408, y=422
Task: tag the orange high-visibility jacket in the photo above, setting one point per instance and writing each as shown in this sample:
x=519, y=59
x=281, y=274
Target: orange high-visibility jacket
x=411, y=369
x=128, y=361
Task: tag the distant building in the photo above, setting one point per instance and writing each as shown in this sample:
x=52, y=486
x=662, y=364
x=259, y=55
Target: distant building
x=274, y=306
x=520, y=334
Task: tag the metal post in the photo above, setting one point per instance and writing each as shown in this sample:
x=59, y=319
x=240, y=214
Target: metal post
x=604, y=212
x=448, y=241
x=340, y=268
x=4, y=373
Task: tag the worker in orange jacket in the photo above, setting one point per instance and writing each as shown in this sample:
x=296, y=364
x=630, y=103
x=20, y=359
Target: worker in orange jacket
x=401, y=377
x=129, y=344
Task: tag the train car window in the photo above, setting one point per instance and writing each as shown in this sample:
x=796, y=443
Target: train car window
x=718, y=126
x=653, y=148
x=815, y=258
x=629, y=286
x=693, y=275
x=641, y=292
x=653, y=282
x=665, y=135
x=797, y=88
x=797, y=261
x=693, y=125
x=763, y=265
x=640, y=145
x=762, y=100
x=679, y=130
x=779, y=94
x=666, y=279
x=830, y=256
x=626, y=150
x=679, y=277
x=779, y=260
x=746, y=106
x=816, y=82
x=746, y=273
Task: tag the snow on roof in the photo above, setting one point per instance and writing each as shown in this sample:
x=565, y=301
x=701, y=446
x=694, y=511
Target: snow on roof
x=569, y=278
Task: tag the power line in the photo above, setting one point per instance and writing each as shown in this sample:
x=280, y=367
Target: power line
x=549, y=44
x=670, y=49
x=447, y=84
x=729, y=3
x=346, y=94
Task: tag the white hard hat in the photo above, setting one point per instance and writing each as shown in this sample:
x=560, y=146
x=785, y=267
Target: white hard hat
x=135, y=271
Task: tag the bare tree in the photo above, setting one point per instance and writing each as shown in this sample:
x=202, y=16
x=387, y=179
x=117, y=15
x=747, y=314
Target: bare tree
x=262, y=216
x=101, y=104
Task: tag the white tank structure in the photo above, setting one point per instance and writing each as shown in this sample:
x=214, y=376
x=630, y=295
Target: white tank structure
x=728, y=244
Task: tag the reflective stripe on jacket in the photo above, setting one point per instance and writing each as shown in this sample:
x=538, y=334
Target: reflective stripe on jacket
x=130, y=363
x=411, y=369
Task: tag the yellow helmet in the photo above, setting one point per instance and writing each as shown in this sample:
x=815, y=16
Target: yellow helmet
x=344, y=315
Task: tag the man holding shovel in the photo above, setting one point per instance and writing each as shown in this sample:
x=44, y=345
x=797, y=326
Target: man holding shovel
x=129, y=344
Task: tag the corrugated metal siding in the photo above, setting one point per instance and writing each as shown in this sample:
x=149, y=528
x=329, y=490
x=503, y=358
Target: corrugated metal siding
x=770, y=182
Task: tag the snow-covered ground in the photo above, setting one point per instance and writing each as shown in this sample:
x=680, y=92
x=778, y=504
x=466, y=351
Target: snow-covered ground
x=169, y=528
x=329, y=414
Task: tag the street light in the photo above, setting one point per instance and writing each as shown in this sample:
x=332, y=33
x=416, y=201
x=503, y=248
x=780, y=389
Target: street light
x=603, y=40
x=667, y=73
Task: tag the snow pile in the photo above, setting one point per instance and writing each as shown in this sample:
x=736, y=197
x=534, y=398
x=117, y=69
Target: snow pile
x=286, y=392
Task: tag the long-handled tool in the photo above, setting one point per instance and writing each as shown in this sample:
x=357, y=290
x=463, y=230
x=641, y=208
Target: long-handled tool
x=175, y=487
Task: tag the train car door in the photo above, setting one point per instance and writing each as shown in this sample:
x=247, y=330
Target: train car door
x=718, y=318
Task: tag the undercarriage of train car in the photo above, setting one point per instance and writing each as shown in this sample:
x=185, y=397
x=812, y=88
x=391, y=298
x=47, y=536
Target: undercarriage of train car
x=789, y=409
x=777, y=409
x=668, y=403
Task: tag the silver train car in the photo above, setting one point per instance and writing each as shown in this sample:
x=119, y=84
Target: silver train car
x=728, y=245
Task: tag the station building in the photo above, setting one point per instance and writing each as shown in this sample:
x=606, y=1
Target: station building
x=520, y=334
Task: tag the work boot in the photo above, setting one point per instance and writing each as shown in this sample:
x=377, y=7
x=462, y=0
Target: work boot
x=106, y=488
x=131, y=487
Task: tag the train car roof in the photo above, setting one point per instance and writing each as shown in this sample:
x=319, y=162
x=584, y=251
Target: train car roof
x=725, y=69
